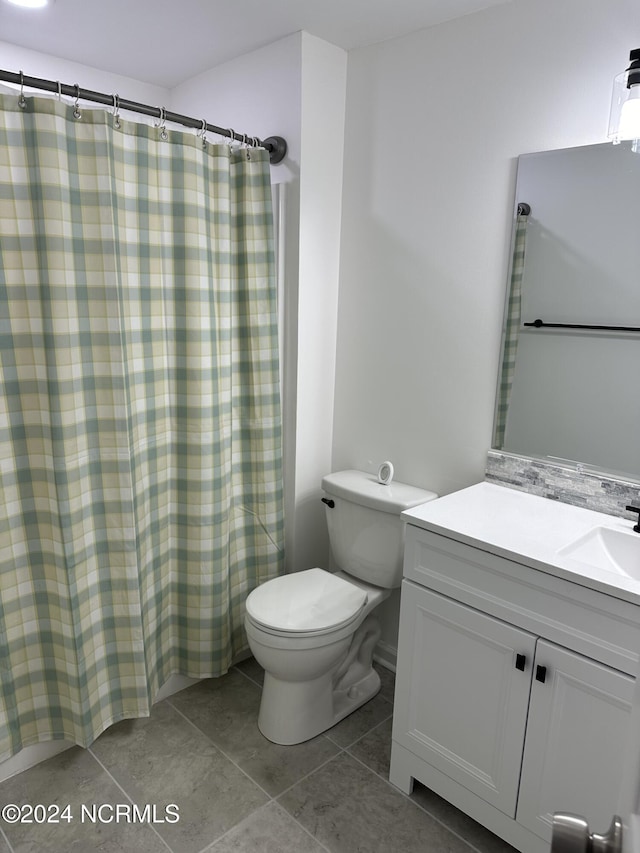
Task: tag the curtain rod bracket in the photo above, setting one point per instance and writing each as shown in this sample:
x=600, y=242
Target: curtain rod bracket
x=277, y=148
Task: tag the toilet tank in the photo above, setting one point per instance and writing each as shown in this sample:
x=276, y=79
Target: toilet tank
x=365, y=528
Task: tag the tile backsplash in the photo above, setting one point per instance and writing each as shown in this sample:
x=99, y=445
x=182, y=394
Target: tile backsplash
x=571, y=485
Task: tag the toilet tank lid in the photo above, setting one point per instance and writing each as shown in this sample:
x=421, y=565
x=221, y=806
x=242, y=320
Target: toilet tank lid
x=362, y=488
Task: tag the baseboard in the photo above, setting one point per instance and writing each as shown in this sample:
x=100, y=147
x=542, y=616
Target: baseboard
x=30, y=756
x=386, y=655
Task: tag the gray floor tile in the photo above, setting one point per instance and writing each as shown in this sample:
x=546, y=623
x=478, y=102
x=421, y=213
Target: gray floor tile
x=340, y=799
x=252, y=669
x=226, y=710
x=348, y=808
x=269, y=830
x=353, y=727
x=164, y=759
x=75, y=778
x=374, y=749
x=483, y=840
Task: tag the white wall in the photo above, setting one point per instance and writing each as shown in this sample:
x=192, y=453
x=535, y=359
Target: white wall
x=258, y=94
x=435, y=122
x=34, y=64
x=324, y=75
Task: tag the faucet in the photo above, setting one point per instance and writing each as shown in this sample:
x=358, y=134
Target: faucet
x=635, y=509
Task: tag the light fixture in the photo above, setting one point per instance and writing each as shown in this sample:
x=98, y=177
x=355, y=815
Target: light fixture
x=30, y=4
x=624, y=119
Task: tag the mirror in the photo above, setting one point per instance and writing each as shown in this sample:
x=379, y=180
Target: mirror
x=566, y=393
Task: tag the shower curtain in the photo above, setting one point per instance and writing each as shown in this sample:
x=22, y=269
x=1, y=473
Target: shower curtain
x=511, y=332
x=140, y=426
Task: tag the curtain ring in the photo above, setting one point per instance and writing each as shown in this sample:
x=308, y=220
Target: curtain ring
x=22, y=101
x=116, y=111
x=76, y=108
x=59, y=90
x=202, y=133
x=163, y=124
x=231, y=133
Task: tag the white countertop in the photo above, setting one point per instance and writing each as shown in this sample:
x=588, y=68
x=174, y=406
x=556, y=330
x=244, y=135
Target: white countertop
x=527, y=529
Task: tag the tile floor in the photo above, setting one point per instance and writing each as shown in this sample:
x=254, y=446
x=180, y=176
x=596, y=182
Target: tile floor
x=236, y=791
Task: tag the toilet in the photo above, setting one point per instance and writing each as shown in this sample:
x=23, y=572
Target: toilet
x=314, y=631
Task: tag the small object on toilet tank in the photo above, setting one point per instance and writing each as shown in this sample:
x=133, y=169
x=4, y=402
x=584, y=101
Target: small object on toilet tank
x=385, y=473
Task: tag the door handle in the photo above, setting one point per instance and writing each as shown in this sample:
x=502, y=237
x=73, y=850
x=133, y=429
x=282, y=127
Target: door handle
x=521, y=662
x=570, y=834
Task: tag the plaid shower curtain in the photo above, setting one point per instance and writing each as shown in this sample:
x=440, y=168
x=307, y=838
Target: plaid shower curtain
x=140, y=427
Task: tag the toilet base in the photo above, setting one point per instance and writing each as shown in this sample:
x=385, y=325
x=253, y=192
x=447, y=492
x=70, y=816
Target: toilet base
x=292, y=712
x=295, y=711
x=347, y=701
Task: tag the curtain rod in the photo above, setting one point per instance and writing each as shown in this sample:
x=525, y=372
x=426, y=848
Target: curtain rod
x=275, y=145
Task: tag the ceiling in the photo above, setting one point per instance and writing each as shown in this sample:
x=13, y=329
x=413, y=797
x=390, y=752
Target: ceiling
x=165, y=42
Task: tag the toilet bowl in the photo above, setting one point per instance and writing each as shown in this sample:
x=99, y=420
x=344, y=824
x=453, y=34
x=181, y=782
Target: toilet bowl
x=314, y=631
x=306, y=660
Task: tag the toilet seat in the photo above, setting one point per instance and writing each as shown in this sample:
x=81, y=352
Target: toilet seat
x=308, y=603
x=301, y=635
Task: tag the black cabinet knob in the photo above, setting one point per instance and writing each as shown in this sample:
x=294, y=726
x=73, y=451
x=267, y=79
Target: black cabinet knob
x=541, y=674
x=521, y=662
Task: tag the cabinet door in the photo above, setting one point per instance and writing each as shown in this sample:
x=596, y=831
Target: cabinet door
x=576, y=736
x=461, y=702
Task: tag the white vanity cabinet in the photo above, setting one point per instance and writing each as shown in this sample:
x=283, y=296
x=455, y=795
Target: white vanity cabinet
x=513, y=689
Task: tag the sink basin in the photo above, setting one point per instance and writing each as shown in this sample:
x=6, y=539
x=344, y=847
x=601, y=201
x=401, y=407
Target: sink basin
x=608, y=549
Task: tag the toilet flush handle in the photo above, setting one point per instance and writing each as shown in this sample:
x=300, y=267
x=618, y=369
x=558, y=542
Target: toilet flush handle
x=328, y=502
